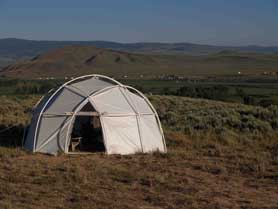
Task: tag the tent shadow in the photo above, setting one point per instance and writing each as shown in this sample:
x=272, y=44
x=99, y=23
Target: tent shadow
x=11, y=136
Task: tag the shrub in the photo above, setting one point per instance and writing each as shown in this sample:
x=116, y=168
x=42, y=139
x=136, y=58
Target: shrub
x=223, y=119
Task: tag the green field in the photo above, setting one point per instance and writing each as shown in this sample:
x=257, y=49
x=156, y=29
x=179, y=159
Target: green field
x=261, y=92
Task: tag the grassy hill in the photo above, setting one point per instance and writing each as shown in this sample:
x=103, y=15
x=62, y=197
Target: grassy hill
x=220, y=155
x=18, y=48
x=12, y=49
x=79, y=60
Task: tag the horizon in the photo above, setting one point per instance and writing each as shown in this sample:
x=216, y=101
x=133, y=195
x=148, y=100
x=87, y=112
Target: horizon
x=146, y=42
x=218, y=23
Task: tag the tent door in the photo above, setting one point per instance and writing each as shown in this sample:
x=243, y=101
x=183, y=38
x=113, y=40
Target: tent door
x=86, y=133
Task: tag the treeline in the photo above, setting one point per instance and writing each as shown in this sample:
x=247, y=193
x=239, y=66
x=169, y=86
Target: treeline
x=34, y=88
x=17, y=86
x=215, y=92
x=212, y=92
x=223, y=93
x=7, y=82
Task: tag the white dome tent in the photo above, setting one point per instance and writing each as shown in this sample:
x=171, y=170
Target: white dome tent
x=128, y=122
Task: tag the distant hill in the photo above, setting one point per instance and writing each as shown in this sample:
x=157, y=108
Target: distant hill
x=15, y=49
x=79, y=60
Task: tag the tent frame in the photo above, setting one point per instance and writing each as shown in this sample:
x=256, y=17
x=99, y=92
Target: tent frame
x=87, y=99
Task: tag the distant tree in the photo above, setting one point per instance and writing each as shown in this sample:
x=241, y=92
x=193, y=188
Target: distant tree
x=265, y=102
x=142, y=88
x=221, y=92
x=215, y=92
x=30, y=87
x=45, y=87
x=166, y=91
x=249, y=100
x=186, y=91
x=240, y=92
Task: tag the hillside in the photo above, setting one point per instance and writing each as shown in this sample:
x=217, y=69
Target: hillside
x=12, y=49
x=79, y=60
x=220, y=155
x=28, y=48
x=179, y=114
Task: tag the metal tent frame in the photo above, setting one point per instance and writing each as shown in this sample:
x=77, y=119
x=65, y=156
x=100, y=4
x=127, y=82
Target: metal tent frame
x=88, y=98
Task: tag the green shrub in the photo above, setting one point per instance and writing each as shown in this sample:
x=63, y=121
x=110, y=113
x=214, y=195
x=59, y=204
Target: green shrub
x=227, y=120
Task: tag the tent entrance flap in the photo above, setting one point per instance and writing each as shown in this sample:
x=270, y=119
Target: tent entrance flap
x=86, y=133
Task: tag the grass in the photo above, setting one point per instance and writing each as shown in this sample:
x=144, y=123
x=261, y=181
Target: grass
x=16, y=109
x=189, y=176
x=220, y=155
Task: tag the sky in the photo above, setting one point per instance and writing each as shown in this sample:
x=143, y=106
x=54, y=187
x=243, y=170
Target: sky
x=216, y=22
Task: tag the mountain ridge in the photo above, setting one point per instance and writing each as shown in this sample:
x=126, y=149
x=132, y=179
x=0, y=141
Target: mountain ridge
x=71, y=61
x=15, y=49
x=22, y=47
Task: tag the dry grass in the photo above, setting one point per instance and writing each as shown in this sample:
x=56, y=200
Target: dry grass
x=200, y=171
x=16, y=109
x=189, y=176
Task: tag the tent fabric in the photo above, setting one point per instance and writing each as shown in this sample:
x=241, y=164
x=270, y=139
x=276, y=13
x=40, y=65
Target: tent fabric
x=64, y=101
x=128, y=121
x=139, y=103
x=151, y=134
x=112, y=101
x=90, y=86
x=122, y=136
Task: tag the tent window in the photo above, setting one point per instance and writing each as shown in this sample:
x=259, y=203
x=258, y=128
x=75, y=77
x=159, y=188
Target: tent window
x=87, y=132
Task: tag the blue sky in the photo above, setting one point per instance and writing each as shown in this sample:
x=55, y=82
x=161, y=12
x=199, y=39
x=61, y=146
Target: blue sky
x=218, y=22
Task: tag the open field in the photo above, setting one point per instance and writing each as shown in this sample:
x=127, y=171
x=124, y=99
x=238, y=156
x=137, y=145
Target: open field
x=221, y=155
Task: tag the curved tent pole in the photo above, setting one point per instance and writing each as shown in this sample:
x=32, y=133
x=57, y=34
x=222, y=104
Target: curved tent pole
x=37, y=103
x=155, y=112
x=79, y=107
x=42, y=97
x=102, y=126
x=95, y=93
x=57, y=91
x=49, y=139
x=104, y=134
x=130, y=102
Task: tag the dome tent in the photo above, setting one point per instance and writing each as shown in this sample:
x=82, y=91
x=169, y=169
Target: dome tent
x=128, y=122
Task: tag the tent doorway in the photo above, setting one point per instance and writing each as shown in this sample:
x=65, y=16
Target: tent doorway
x=86, y=133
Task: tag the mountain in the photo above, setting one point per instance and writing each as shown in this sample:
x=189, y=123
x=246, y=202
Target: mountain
x=20, y=48
x=79, y=60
